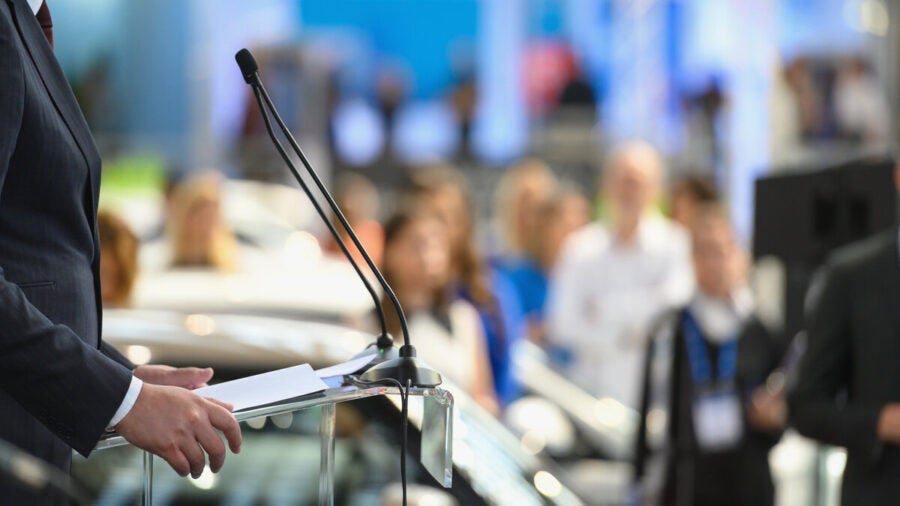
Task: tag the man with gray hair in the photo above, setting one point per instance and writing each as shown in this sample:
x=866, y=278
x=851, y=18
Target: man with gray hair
x=615, y=277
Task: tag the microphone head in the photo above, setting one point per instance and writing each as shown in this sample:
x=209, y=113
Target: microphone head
x=247, y=64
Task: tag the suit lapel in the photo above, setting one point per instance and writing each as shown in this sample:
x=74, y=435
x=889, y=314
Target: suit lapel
x=58, y=88
x=35, y=43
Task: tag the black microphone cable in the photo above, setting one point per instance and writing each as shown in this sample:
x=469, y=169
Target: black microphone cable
x=404, y=423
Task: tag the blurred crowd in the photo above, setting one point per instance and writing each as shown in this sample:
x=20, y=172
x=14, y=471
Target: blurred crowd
x=617, y=264
x=820, y=100
x=602, y=280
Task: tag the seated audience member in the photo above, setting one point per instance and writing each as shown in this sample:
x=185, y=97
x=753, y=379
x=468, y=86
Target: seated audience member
x=688, y=194
x=708, y=420
x=118, y=260
x=443, y=191
x=358, y=199
x=197, y=232
x=523, y=189
x=563, y=213
x=613, y=279
x=447, y=330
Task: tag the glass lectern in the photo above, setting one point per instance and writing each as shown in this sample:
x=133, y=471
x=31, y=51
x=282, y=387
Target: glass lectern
x=433, y=419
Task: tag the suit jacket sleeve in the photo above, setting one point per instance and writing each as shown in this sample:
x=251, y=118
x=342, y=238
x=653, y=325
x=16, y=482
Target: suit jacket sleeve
x=71, y=387
x=815, y=407
x=111, y=352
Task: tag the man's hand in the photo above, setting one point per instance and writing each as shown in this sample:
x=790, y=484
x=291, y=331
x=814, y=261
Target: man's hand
x=184, y=377
x=179, y=426
x=768, y=410
x=889, y=423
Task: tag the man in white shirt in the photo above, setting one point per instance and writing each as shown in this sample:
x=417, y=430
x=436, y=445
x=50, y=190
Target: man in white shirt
x=614, y=278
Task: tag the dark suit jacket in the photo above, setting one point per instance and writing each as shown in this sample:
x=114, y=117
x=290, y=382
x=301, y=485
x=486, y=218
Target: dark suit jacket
x=684, y=475
x=851, y=368
x=59, y=386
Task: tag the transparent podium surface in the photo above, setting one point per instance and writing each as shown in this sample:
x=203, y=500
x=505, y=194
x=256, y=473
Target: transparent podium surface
x=279, y=439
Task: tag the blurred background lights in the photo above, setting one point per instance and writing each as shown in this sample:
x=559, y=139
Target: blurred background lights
x=869, y=16
x=358, y=132
x=200, y=324
x=547, y=484
x=425, y=132
x=138, y=354
x=875, y=18
x=542, y=424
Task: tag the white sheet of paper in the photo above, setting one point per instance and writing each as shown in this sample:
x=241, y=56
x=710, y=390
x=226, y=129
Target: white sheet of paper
x=348, y=367
x=266, y=388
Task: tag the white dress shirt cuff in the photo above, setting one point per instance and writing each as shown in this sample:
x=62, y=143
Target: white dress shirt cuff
x=134, y=389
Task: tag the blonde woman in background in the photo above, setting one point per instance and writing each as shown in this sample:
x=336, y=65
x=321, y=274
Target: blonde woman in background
x=195, y=226
x=522, y=190
x=566, y=211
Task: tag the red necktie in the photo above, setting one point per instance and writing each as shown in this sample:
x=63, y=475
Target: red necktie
x=43, y=17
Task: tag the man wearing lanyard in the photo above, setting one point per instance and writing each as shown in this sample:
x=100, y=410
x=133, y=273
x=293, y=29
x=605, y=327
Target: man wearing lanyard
x=707, y=421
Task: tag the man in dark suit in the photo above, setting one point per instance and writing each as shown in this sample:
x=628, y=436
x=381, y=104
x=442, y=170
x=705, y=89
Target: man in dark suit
x=60, y=386
x=848, y=387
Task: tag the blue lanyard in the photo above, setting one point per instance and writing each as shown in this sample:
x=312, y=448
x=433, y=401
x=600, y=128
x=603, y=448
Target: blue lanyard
x=701, y=369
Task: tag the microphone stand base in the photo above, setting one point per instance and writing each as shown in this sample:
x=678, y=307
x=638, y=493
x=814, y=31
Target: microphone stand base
x=403, y=369
x=379, y=356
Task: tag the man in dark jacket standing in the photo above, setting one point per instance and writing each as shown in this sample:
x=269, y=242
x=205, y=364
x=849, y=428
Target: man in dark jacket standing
x=848, y=387
x=60, y=386
x=708, y=417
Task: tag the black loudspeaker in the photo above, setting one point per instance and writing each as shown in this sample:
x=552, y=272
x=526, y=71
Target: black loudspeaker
x=800, y=217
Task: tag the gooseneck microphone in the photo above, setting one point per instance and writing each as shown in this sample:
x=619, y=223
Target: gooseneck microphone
x=404, y=369
x=249, y=68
